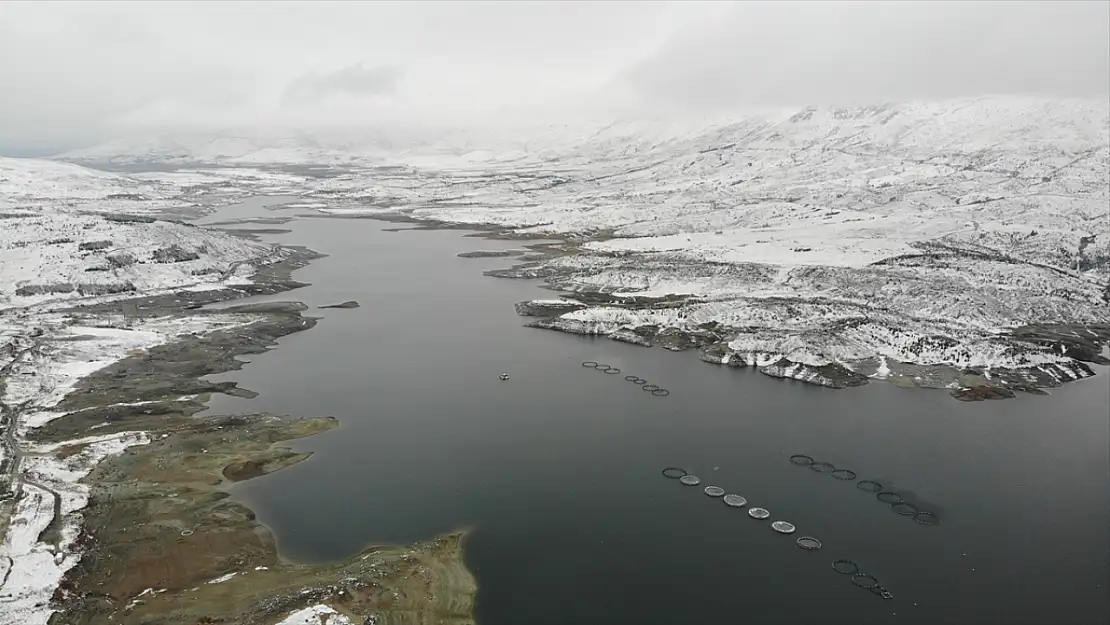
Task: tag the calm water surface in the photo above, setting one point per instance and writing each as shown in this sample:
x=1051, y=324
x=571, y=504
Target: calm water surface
x=557, y=471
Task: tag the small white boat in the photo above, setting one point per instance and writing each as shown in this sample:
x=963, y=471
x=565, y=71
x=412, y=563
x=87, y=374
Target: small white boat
x=504, y=376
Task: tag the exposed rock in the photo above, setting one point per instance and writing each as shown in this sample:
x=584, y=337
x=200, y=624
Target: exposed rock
x=490, y=253
x=94, y=245
x=1079, y=341
x=109, y=288
x=128, y=219
x=831, y=375
x=44, y=289
x=573, y=326
x=120, y=259
x=675, y=340
x=347, y=304
x=980, y=393
x=629, y=335
x=720, y=354
x=547, y=307
x=174, y=254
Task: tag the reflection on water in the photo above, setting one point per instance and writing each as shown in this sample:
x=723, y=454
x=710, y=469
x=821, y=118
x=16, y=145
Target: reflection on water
x=557, y=470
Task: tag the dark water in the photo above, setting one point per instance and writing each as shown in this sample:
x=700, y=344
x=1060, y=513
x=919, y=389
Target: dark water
x=557, y=471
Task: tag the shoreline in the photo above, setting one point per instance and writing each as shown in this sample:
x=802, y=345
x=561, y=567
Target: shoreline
x=614, y=316
x=140, y=406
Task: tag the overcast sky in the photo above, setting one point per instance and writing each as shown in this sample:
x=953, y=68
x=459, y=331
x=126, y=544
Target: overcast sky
x=74, y=73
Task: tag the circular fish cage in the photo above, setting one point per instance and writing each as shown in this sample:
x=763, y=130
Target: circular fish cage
x=801, y=460
x=612, y=370
x=844, y=474
x=783, y=527
x=650, y=387
x=869, y=486
x=589, y=363
x=714, y=491
x=735, y=501
x=758, y=513
x=904, y=508
x=865, y=580
x=674, y=473
x=847, y=567
x=660, y=392
x=808, y=543
x=926, y=518
x=822, y=467
x=890, y=497
x=599, y=365
x=690, y=480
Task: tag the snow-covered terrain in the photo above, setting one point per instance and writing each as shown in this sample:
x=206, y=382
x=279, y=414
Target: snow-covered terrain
x=64, y=241
x=914, y=232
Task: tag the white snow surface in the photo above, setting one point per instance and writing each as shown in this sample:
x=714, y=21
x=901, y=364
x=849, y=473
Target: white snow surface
x=319, y=614
x=56, y=244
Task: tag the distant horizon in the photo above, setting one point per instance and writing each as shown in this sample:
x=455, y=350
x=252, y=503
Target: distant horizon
x=317, y=129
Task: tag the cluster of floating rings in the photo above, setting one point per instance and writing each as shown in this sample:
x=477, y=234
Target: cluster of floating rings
x=865, y=581
x=896, y=501
x=732, y=500
x=654, y=389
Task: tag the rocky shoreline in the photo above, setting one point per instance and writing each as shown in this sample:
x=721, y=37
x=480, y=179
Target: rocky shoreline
x=157, y=540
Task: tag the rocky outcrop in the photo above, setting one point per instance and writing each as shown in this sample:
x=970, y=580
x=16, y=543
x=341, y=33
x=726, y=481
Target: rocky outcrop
x=348, y=304
x=128, y=219
x=720, y=354
x=547, y=307
x=89, y=246
x=110, y=288
x=490, y=253
x=831, y=375
x=572, y=326
x=629, y=335
x=174, y=254
x=120, y=259
x=1079, y=341
x=44, y=289
x=980, y=393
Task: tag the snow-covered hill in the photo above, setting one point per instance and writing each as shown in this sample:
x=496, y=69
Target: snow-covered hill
x=68, y=232
x=916, y=233
x=867, y=234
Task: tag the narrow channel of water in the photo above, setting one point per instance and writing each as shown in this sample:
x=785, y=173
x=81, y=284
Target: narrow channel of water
x=557, y=470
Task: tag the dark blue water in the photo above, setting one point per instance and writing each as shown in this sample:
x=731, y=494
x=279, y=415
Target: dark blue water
x=557, y=471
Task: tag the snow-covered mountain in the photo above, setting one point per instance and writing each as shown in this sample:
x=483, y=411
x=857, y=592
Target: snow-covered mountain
x=916, y=233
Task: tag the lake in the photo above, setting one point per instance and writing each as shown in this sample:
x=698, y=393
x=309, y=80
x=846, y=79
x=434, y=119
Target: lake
x=557, y=471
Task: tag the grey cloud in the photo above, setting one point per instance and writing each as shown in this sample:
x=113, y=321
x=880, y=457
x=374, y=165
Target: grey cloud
x=796, y=53
x=354, y=80
x=74, y=73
